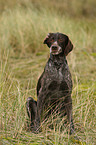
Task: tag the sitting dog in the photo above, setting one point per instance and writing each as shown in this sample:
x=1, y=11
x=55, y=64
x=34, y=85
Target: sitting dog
x=54, y=86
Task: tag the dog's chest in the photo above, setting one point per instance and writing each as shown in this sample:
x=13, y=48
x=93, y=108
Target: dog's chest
x=55, y=81
x=55, y=75
x=55, y=72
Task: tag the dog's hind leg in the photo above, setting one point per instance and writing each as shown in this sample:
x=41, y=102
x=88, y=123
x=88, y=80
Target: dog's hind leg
x=31, y=106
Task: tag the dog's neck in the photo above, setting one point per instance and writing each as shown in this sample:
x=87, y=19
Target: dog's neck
x=58, y=60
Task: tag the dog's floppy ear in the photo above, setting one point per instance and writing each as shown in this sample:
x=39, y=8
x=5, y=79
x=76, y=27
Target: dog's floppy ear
x=68, y=48
x=46, y=38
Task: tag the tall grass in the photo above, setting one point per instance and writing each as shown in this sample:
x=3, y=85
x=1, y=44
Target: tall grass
x=22, y=59
x=73, y=8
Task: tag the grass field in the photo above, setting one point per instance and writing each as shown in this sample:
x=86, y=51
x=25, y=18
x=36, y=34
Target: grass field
x=23, y=55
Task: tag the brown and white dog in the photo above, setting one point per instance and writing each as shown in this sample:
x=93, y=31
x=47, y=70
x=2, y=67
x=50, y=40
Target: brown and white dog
x=55, y=85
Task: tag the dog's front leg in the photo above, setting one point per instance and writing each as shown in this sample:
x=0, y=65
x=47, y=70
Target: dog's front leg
x=68, y=107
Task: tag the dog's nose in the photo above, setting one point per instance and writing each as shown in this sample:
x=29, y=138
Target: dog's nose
x=54, y=47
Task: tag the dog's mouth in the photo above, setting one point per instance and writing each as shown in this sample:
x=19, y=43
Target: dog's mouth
x=55, y=50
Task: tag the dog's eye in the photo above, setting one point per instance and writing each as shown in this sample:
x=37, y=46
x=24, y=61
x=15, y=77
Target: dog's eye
x=60, y=39
x=52, y=39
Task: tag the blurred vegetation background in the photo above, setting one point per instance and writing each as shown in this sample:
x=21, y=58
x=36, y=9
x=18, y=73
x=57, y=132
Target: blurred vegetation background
x=73, y=8
x=23, y=26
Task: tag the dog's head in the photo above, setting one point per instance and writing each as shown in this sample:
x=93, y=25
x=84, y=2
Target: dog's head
x=58, y=43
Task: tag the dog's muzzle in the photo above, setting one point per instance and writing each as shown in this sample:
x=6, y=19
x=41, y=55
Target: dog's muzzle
x=55, y=49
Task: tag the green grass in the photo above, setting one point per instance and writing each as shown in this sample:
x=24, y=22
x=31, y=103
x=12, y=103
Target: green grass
x=22, y=59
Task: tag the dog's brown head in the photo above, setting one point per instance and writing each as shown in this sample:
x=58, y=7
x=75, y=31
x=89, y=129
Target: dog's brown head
x=58, y=43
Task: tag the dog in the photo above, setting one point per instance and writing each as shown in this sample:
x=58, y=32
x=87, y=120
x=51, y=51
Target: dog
x=54, y=86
